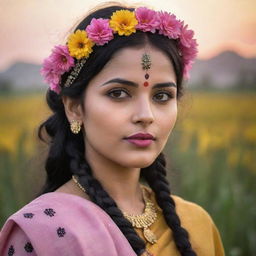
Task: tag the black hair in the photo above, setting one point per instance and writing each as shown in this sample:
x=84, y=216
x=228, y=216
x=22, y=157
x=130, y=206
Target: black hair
x=66, y=150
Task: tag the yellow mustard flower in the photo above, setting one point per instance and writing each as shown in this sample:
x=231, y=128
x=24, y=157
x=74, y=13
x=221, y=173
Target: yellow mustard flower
x=79, y=45
x=123, y=22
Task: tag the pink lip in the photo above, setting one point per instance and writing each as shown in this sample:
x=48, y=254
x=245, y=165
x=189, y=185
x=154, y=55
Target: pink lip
x=141, y=139
x=141, y=136
x=140, y=143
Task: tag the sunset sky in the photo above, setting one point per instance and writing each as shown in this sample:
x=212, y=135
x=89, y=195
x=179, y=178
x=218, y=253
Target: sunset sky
x=30, y=28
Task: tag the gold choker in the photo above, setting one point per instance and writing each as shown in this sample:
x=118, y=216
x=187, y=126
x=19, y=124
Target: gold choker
x=144, y=220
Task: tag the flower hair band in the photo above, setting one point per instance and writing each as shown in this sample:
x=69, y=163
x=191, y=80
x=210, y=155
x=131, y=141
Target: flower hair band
x=72, y=56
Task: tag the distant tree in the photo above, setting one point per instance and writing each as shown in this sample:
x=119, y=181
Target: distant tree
x=206, y=81
x=5, y=85
x=246, y=80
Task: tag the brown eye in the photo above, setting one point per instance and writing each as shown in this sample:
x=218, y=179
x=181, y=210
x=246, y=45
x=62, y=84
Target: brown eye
x=117, y=94
x=162, y=96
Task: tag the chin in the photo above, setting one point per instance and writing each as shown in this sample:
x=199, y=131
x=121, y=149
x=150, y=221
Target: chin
x=140, y=162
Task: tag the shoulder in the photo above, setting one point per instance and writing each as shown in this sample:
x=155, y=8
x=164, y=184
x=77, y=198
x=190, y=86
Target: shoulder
x=186, y=210
x=49, y=207
x=190, y=211
x=194, y=217
x=55, y=220
x=204, y=234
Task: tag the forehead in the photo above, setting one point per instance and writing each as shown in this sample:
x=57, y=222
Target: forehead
x=126, y=63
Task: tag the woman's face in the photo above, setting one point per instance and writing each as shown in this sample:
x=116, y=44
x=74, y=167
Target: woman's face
x=117, y=109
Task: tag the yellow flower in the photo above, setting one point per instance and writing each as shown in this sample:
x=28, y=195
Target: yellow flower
x=79, y=45
x=123, y=22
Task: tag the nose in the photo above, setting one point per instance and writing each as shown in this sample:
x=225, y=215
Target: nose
x=143, y=112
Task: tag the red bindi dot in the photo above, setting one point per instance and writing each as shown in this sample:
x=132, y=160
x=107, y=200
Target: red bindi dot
x=145, y=84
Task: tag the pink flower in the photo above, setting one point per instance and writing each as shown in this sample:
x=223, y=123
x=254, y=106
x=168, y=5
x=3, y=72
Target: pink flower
x=62, y=59
x=189, y=53
x=99, y=31
x=50, y=75
x=169, y=25
x=55, y=65
x=186, y=70
x=55, y=87
x=186, y=35
x=148, y=20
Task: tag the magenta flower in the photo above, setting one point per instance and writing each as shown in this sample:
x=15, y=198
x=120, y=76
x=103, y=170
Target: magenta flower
x=186, y=35
x=99, y=31
x=169, y=25
x=62, y=59
x=147, y=19
x=50, y=75
x=189, y=53
x=55, y=87
x=188, y=56
x=186, y=70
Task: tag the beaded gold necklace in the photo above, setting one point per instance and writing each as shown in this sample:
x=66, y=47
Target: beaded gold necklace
x=142, y=221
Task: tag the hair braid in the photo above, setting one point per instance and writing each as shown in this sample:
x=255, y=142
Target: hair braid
x=56, y=163
x=155, y=175
x=80, y=167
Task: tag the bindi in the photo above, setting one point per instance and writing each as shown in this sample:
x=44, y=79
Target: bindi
x=146, y=65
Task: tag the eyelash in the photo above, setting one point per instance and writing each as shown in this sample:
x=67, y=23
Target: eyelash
x=169, y=95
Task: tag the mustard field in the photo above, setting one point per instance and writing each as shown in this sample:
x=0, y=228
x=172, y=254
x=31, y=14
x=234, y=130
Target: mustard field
x=20, y=115
x=217, y=122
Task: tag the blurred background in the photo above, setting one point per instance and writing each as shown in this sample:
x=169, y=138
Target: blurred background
x=212, y=150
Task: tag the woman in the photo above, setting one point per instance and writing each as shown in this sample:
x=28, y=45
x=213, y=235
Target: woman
x=113, y=91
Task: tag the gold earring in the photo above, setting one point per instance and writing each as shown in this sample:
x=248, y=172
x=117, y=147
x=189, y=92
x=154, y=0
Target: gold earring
x=75, y=126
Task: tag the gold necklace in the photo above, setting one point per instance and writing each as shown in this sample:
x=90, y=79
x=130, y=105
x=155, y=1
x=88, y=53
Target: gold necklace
x=78, y=184
x=144, y=220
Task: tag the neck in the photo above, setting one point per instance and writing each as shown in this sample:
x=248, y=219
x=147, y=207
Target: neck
x=121, y=183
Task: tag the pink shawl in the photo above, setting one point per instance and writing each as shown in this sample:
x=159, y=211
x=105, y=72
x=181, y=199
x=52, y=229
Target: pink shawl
x=62, y=224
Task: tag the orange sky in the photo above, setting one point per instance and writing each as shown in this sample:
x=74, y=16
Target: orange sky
x=30, y=28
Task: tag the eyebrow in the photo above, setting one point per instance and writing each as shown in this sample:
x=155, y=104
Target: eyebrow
x=130, y=83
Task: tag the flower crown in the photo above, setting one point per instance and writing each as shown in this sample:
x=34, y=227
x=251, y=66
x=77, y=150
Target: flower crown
x=101, y=31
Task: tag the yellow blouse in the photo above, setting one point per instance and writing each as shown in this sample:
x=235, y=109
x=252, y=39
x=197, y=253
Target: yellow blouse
x=203, y=234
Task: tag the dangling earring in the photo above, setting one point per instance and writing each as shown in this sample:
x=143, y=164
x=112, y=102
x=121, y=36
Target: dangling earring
x=75, y=126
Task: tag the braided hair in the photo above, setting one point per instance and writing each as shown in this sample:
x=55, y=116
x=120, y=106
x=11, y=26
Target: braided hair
x=67, y=150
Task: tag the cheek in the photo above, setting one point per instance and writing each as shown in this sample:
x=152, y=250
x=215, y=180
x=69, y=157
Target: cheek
x=102, y=120
x=168, y=120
